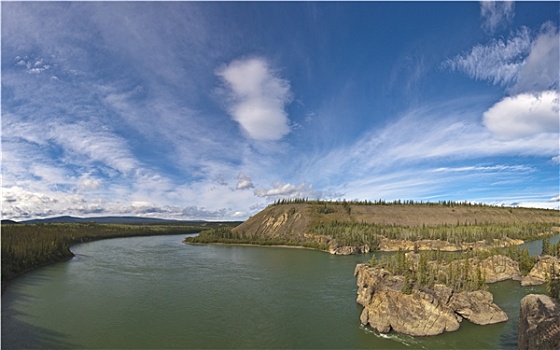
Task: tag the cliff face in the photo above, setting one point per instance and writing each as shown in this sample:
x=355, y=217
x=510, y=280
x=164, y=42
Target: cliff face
x=421, y=313
x=539, y=323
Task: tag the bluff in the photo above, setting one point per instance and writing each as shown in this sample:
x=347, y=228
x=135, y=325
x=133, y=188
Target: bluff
x=358, y=227
x=539, y=323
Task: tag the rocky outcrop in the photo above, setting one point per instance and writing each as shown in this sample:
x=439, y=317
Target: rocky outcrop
x=539, y=323
x=349, y=250
x=422, y=312
x=544, y=266
x=477, y=306
x=393, y=245
x=499, y=268
x=415, y=314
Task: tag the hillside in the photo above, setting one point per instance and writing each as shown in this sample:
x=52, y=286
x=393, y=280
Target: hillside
x=367, y=226
x=124, y=220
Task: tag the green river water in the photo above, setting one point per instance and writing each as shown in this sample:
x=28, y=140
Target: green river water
x=156, y=292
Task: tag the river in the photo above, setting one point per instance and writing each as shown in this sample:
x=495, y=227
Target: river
x=156, y=292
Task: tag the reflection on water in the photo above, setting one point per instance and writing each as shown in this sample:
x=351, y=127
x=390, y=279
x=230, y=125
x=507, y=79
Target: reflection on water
x=156, y=292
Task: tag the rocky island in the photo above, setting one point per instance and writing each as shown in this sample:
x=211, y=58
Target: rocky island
x=413, y=295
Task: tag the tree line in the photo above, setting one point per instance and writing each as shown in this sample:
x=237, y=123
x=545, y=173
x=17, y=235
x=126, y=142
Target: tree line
x=353, y=233
x=443, y=203
x=459, y=271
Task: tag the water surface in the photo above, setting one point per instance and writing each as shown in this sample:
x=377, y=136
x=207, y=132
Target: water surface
x=156, y=292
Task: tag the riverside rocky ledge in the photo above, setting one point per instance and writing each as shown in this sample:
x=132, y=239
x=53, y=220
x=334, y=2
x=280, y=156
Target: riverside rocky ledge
x=421, y=313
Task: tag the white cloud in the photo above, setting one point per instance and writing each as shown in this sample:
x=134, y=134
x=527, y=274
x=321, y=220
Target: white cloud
x=498, y=62
x=555, y=160
x=259, y=97
x=486, y=168
x=555, y=199
x=524, y=115
x=244, y=182
x=88, y=184
x=540, y=70
x=496, y=14
x=280, y=189
x=95, y=146
x=522, y=63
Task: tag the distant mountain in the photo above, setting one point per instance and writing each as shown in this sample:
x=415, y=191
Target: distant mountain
x=130, y=220
x=9, y=222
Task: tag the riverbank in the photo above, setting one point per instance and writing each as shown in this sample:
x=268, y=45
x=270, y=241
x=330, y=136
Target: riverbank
x=26, y=247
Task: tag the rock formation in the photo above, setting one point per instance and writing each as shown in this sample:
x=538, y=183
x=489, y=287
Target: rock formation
x=499, y=268
x=422, y=312
x=393, y=245
x=545, y=265
x=539, y=323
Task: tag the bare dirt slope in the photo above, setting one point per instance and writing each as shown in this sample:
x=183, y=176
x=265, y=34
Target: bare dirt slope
x=294, y=219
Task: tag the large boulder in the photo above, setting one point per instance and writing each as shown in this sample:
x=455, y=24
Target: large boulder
x=544, y=266
x=539, y=323
x=477, y=306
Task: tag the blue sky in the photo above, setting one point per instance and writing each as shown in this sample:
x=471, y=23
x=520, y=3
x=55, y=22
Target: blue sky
x=205, y=110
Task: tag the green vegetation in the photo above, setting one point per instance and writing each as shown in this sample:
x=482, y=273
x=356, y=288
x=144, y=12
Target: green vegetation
x=27, y=246
x=552, y=276
x=459, y=271
x=225, y=235
x=351, y=233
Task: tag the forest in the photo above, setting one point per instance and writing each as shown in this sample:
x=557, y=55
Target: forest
x=461, y=271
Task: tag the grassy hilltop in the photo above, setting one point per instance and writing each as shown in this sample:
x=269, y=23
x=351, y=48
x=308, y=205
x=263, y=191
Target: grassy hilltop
x=324, y=225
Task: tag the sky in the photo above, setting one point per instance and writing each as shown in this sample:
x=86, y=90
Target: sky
x=214, y=110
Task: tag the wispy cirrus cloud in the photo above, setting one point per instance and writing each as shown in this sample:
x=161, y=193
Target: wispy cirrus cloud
x=498, y=62
x=496, y=14
x=522, y=63
x=258, y=98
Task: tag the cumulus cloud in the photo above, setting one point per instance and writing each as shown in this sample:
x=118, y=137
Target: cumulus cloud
x=280, y=189
x=524, y=115
x=244, y=182
x=258, y=98
x=496, y=14
x=555, y=199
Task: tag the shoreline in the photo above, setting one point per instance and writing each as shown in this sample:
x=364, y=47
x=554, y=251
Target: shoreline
x=258, y=245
